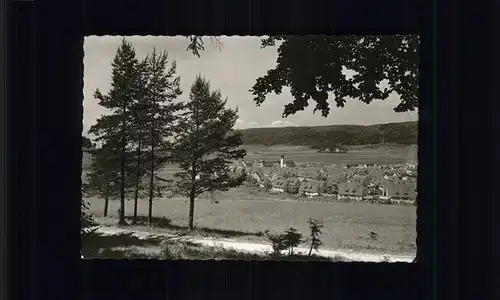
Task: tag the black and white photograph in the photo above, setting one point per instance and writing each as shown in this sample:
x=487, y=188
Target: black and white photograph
x=291, y=148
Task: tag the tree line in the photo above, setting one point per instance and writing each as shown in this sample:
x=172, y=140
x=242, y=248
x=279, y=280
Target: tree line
x=317, y=137
x=148, y=127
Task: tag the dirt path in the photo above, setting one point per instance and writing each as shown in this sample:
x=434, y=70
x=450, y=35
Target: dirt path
x=261, y=248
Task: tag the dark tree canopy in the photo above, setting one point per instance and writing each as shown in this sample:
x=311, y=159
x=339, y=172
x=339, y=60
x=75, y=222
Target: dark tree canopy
x=206, y=142
x=206, y=145
x=312, y=67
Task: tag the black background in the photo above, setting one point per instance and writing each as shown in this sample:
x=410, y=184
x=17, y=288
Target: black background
x=456, y=163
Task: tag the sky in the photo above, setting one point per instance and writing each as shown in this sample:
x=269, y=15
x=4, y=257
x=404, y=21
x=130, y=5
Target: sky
x=233, y=69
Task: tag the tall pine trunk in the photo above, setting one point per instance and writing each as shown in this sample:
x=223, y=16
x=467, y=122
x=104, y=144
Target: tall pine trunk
x=106, y=201
x=151, y=184
x=122, y=172
x=192, y=195
x=191, y=211
x=137, y=182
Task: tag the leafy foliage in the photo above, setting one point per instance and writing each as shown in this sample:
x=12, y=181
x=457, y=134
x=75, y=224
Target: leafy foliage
x=313, y=67
x=332, y=136
x=197, y=44
x=206, y=144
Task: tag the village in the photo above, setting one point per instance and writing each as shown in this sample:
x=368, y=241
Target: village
x=383, y=184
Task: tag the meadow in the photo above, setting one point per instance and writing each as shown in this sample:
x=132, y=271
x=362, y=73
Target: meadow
x=387, y=154
x=347, y=225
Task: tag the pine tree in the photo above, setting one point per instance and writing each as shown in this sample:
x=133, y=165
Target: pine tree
x=139, y=134
x=206, y=145
x=115, y=129
x=162, y=88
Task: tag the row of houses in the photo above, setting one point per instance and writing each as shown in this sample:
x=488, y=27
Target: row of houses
x=358, y=188
x=337, y=175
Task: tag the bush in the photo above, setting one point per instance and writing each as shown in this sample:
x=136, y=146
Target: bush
x=277, y=242
x=288, y=240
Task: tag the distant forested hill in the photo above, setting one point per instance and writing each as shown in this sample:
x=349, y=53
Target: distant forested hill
x=334, y=135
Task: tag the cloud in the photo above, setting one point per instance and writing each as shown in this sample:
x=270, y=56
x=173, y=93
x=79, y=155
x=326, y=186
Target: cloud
x=240, y=124
x=282, y=123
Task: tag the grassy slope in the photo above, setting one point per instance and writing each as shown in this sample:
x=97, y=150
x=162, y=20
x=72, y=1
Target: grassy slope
x=330, y=136
x=347, y=225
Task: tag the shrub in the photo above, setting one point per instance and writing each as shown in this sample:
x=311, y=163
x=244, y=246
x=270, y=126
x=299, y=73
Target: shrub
x=277, y=242
x=288, y=240
x=292, y=239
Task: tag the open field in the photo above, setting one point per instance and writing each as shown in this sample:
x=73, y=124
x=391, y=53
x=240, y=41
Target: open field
x=386, y=154
x=347, y=225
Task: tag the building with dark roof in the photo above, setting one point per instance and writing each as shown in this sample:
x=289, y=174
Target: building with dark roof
x=293, y=185
x=352, y=190
x=311, y=188
x=337, y=177
x=303, y=187
x=401, y=190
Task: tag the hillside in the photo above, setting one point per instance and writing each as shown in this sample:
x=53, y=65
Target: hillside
x=331, y=136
